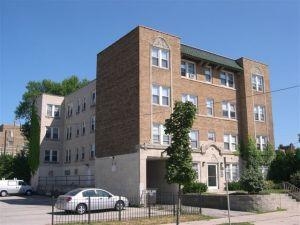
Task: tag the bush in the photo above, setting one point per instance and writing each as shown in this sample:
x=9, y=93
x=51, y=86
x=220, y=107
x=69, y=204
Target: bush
x=252, y=180
x=269, y=184
x=196, y=187
x=234, y=186
x=295, y=179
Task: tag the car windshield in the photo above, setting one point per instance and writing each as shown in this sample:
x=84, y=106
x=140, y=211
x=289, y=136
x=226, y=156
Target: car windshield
x=74, y=192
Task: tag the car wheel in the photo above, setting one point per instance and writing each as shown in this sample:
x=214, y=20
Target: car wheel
x=119, y=205
x=3, y=193
x=81, y=208
x=28, y=193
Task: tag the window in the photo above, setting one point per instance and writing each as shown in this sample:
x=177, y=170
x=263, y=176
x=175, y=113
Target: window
x=82, y=153
x=211, y=136
x=232, y=172
x=208, y=74
x=92, y=152
x=83, y=128
x=77, y=154
x=77, y=130
x=69, y=110
x=196, y=168
x=160, y=57
x=83, y=104
x=228, y=110
x=159, y=136
x=210, y=107
x=69, y=133
x=257, y=82
x=230, y=142
x=261, y=142
x=52, y=133
x=194, y=138
x=191, y=98
x=93, y=98
x=53, y=110
x=227, y=79
x=78, y=106
x=93, y=123
x=188, y=69
x=68, y=155
x=160, y=95
x=50, y=156
x=67, y=172
x=259, y=113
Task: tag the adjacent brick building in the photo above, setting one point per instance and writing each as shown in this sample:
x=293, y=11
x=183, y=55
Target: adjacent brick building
x=139, y=78
x=11, y=139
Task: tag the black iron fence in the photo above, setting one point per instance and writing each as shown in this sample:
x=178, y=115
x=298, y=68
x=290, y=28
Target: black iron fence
x=67, y=210
x=75, y=180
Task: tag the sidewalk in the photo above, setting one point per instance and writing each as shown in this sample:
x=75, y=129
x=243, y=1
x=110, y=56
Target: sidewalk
x=289, y=217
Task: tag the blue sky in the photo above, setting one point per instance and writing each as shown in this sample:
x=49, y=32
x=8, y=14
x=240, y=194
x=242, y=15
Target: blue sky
x=55, y=39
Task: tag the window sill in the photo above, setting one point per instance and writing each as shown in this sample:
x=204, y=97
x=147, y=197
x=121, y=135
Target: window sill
x=52, y=117
x=48, y=162
x=208, y=83
x=215, y=117
x=158, y=67
x=166, y=106
x=260, y=121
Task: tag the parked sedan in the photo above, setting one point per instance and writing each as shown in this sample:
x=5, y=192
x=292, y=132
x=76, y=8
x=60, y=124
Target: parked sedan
x=79, y=200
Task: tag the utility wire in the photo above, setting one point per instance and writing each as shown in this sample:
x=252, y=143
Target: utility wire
x=234, y=99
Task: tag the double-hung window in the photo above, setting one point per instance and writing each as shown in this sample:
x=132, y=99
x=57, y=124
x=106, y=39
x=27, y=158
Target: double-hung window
x=196, y=168
x=159, y=136
x=209, y=107
x=83, y=128
x=194, y=138
x=160, y=95
x=52, y=133
x=53, y=110
x=211, y=136
x=190, y=98
x=232, y=172
x=92, y=152
x=257, y=82
x=188, y=69
x=50, y=156
x=261, y=142
x=93, y=123
x=208, y=74
x=93, y=98
x=227, y=79
x=69, y=110
x=78, y=106
x=259, y=113
x=68, y=155
x=160, y=57
x=228, y=110
x=230, y=142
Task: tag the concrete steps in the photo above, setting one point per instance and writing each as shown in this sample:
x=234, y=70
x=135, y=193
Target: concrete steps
x=287, y=202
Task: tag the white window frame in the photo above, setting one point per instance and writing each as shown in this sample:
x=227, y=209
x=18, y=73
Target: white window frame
x=211, y=134
x=259, y=113
x=83, y=108
x=206, y=75
x=53, y=110
x=197, y=167
x=160, y=94
x=93, y=124
x=229, y=171
x=52, y=133
x=78, y=107
x=256, y=84
x=161, y=134
x=83, y=128
x=231, y=143
x=93, y=98
x=188, y=97
x=227, y=75
x=186, y=67
x=160, y=57
x=92, y=151
x=196, y=132
x=68, y=156
x=227, y=107
x=261, y=141
x=69, y=110
x=51, y=156
x=209, y=105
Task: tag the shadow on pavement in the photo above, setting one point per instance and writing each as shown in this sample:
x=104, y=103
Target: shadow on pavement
x=27, y=200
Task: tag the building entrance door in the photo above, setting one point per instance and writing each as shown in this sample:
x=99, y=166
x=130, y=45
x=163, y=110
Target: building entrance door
x=212, y=176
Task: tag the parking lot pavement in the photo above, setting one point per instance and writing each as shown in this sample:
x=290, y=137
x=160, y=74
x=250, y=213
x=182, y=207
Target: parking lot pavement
x=23, y=210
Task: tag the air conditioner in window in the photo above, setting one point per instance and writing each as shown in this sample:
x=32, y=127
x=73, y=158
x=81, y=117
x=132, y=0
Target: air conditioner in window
x=192, y=76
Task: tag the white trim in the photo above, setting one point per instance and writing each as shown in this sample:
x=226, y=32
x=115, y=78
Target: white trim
x=217, y=176
x=187, y=74
x=227, y=73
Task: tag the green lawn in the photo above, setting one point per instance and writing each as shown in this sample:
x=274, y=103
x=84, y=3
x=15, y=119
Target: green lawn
x=241, y=223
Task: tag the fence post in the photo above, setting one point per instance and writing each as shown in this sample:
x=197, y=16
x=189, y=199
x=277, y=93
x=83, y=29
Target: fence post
x=52, y=210
x=120, y=208
x=174, y=204
x=149, y=205
x=89, y=211
x=200, y=200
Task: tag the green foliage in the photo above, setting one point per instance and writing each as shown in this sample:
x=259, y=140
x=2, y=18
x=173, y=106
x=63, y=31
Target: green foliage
x=295, y=179
x=268, y=155
x=6, y=166
x=179, y=163
x=234, y=186
x=21, y=167
x=34, y=141
x=269, y=184
x=196, y=187
x=36, y=88
x=252, y=180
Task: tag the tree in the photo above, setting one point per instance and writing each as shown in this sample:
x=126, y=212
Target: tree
x=6, y=167
x=21, y=167
x=179, y=164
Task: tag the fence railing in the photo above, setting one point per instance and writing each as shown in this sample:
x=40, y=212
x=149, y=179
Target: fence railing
x=67, y=209
x=76, y=180
x=292, y=190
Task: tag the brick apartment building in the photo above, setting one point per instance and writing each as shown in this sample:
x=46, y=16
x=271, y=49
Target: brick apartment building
x=67, y=139
x=11, y=139
x=140, y=76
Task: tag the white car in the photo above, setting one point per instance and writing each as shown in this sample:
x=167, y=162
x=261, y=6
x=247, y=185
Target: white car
x=79, y=200
x=14, y=186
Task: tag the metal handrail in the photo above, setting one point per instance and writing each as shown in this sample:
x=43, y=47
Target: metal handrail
x=292, y=190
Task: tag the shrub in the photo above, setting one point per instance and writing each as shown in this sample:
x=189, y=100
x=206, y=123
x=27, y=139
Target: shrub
x=295, y=179
x=234, y=186
x=252, y=180
x=196, y=187
x=269, y=184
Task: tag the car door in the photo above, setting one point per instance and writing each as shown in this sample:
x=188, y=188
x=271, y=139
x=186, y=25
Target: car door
x=90, y=194
x=105, y=199
x=13, y=187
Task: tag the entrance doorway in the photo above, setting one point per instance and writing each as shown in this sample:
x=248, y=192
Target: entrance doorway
x=212, y=172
